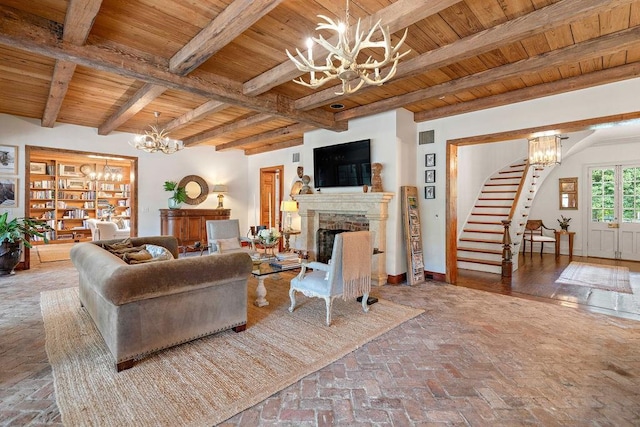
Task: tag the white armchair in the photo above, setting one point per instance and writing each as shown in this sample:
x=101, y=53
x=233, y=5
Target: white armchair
x=108, y=230
x=348, y=273
x=223, y=236
x=91, y=223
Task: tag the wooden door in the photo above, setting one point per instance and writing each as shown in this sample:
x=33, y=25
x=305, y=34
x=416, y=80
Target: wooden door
x=271, y=190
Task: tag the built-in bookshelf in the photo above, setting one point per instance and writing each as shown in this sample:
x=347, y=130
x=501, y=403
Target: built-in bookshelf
x=66, y=188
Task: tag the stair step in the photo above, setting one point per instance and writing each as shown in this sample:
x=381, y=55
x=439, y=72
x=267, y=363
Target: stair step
x=500, y=184
x=498, y=191
x=512, y=171
x=469, y=239
x=496, y=198
x=484, y=251
x=494, y=206
x=519, y=165
x=481, y=261
x=485, y=222
x=504, y=177
x=489, y=214
x=470, y=230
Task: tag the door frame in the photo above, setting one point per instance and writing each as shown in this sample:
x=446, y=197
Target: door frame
x=276, y=203
x=451, y=172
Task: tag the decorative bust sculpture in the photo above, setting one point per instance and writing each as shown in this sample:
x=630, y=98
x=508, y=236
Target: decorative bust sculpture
x=305, y=185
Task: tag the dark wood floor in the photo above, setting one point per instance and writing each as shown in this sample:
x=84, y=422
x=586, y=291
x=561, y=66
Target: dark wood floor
x=536, y=276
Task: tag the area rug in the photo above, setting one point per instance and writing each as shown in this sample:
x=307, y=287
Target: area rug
x=608, y=278
x=57, y=252
x=208, y=380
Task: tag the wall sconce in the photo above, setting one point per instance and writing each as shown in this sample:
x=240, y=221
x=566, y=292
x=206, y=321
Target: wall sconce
x=288, y=206
x=219, y=189
x=545, y=150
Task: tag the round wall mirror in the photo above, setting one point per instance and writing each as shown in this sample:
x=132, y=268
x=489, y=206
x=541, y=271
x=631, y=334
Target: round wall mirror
x=196, y=188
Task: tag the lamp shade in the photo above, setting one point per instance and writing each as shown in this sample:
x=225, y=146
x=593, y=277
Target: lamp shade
x=289, y=206
x=219, y=188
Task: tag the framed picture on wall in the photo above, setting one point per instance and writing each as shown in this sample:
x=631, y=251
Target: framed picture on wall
x=429, y=176
x=8, y=192
x=38, y=168
x=8, y=159
x=430, y=160
x=430, y=192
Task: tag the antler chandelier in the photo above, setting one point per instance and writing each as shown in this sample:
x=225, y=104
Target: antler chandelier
x=156, y=140
x=342, y=60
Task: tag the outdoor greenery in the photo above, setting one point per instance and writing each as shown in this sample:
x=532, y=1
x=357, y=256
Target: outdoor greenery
x=603, y=187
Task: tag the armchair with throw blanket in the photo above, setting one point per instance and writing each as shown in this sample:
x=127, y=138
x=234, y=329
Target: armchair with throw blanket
x=348, y=274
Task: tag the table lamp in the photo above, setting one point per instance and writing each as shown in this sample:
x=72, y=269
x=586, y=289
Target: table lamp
x=288, y=206
x=219, y=189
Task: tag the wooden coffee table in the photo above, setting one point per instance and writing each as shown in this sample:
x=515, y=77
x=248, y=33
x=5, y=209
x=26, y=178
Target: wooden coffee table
x=261, y=272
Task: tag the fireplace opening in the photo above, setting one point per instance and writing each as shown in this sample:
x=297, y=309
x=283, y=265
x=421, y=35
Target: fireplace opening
x=325, y=238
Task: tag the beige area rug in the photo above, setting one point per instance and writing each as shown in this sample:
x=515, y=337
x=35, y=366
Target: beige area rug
x=54, y=252
x=203, y=382
x=608, y=278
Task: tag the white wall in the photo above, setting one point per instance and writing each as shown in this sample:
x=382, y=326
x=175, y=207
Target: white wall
x=228, y=168
x=386, y=148
x=546, y=203
x=599, y=101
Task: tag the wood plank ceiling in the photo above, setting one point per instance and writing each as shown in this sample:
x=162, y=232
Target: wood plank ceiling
x=217, y=71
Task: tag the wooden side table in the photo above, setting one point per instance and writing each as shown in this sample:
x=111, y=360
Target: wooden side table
x=287, y=234
x=559, y=234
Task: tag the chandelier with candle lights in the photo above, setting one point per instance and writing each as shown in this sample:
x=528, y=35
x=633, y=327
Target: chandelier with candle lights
x=342, y=61
x=156, y=140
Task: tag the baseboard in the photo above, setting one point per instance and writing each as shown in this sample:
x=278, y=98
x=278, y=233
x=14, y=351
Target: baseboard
x=397, y=279
x=438, y=277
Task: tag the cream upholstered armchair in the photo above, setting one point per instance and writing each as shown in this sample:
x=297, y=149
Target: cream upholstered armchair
x=223, y=236
x=348, y=273
x=108, y=230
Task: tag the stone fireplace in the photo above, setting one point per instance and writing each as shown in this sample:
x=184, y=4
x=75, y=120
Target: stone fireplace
x=346, y=211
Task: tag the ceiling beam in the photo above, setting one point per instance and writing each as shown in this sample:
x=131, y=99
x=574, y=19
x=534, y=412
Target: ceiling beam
x=253, y=120
x=565, y=127
x=595, y=78
x=536, y=22
x=275, y=146
x=143, y=96
x=77, y=25
x=230, y=23
x=266, y=136
x=26, y=35
x=397, y=16
x=197, y=113
x=594, y=48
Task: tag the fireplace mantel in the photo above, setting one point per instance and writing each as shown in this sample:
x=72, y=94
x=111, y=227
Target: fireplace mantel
x=374, y=206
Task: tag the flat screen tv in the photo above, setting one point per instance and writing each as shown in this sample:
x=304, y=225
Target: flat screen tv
x=342, y=165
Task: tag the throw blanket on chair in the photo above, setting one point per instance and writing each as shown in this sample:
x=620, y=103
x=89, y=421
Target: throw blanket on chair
x=356, y=263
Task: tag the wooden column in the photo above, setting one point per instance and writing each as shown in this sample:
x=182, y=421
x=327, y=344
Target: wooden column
x=507, y=264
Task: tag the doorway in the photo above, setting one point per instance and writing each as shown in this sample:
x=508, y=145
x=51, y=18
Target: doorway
x=614, y=212
x=271, y=190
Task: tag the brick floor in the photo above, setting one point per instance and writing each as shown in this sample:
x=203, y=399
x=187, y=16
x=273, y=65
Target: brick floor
x=472, y=359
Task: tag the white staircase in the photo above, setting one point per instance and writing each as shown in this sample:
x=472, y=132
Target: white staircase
x=507, y=194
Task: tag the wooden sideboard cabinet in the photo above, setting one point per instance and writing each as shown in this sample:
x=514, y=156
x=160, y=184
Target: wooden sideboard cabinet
x=189, y=225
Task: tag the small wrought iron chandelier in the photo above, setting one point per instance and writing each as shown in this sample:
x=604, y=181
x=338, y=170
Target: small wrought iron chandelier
x=342, y=60
x=156, y=140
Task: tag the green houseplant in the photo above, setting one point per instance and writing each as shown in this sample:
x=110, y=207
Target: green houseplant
x=179, y=194
x=17, y=233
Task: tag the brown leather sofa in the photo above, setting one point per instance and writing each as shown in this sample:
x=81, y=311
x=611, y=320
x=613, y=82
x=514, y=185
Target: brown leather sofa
x=140, y=309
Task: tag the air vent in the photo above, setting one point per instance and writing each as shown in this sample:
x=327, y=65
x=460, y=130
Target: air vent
x=426, y=137
x=295, y=158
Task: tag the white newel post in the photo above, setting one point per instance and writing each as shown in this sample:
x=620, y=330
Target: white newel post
x=374, y=206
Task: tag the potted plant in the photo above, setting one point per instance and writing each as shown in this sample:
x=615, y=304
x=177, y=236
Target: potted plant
x=179, y=194
x=564, y=222
x=14, y=235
